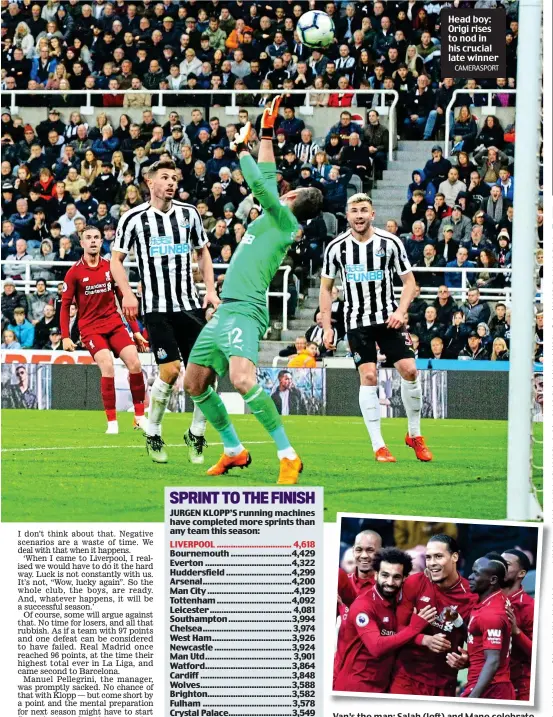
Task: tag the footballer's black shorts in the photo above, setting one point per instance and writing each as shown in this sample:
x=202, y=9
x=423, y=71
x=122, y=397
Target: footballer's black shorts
x=395, y=344
x=172, y=335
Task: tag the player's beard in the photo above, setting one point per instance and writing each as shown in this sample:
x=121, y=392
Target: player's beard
x=387, y=593
x=366, y=228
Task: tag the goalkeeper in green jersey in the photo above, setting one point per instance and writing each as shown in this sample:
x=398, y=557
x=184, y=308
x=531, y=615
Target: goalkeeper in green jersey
x=230, y=341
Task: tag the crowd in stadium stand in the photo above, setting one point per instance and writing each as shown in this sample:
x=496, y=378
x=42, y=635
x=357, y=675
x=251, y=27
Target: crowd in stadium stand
x=68, y=171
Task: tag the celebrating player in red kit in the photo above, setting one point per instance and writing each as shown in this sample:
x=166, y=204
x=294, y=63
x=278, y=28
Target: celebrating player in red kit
x=367, y=544
x=421, y=667
x=489, y=634
x=371, y=635
x=521, y=615
x=89, y=284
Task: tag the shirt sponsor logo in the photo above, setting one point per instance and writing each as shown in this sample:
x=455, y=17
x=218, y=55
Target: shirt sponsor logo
x=494, y=637
x=247, y=239
x=358, y=272
x=165, y=246
x=387, y=632
x=362, y=620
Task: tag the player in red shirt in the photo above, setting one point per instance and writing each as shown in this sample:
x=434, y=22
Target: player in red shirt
x=371, y=635
x=521, y=616
x=89, y=284
x=421, y=667
x=361, y=579
x=489, y=634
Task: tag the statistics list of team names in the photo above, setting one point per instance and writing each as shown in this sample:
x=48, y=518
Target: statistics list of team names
x=244, y=602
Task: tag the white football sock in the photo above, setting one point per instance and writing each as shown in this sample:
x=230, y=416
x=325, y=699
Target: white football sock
x=159, y=398
x=199, y=422
x=287, y=453
x=370, y=408
x=411, y=395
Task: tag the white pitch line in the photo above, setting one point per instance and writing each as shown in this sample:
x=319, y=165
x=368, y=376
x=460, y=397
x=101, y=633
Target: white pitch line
x=72, y=448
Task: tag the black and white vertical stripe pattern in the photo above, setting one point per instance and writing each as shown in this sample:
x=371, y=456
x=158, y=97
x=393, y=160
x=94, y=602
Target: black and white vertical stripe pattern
x=306, y=152
x=167, y=280
x=369, y=297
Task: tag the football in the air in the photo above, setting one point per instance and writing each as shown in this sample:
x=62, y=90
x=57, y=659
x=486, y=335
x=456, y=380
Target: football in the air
x=316, y=29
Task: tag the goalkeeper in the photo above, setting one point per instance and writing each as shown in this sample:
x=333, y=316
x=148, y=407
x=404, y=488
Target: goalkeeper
x=230, y=341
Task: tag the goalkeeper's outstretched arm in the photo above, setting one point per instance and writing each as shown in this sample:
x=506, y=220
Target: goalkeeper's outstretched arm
x=261, y=177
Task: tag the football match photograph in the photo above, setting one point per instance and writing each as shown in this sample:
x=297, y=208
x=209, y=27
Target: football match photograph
x=430, y=608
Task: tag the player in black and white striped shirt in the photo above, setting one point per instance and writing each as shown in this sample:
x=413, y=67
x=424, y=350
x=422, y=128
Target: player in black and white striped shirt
x=367, y=259
x=164, y=234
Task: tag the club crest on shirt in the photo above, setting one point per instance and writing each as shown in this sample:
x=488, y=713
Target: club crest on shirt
x=362, y=620
x=161, y=354
x=380, y=253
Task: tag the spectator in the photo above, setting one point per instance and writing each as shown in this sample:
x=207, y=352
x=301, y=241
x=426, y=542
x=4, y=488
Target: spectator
x=475, y=310
x=223, y=258
x=11, y=300
x=344, y=96
x=430, y=259
x=478, y=190
x=432, y=224
x=414, y=244
x=343, y=129
x=454, y=279
x=22, y=219
x=335, y=191
x=436, y=117
x=498, y=322
x=444, y=305
x=437, y=349
x=300, y=344
x=436, y=169
x=476, y=243
x=315, y=333
x=135, y=96
x=465, y=167
x=426, y=330
x=103, y=148
x=105, y=186
x=305, y=358
x=417, y=308
x=376, y=138
x=491, y=134
x=39, y=300
x=451, y=187
x=483, y=332
x=496, y=205
x=474, y=350
x=506, y=183
x=490, y=161
x=461, y=224
x=500, y=352
x=413, y=210
x=464, y=131
x=22, y=328
x=9, y=341
x=16, y=267
x=55, y=342
x=419, y=104
x=43, y=326
x=456, y=335
x=356, y=158
x=46, y=254
x=66, y=253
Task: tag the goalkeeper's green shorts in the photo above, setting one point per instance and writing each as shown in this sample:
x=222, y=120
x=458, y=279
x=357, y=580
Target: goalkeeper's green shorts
x=236, y=329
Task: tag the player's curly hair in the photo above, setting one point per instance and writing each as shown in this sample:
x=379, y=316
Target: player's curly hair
x=393, y=556
x=308, y=204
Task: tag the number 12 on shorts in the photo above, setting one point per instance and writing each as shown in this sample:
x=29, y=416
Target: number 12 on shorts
x=235, y=338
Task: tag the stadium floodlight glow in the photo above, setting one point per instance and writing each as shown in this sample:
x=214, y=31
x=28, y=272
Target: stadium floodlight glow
x=521, y=501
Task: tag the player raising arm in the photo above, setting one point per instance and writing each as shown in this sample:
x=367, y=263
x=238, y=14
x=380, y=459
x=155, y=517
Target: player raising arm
x=367, y=259
x=89, y=284
x=230, y=341
x=371, y=635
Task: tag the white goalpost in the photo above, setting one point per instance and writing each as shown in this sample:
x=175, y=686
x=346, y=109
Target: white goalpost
x=522, y=502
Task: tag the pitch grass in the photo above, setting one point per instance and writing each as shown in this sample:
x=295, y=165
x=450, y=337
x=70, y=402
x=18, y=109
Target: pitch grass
x=110, y=478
